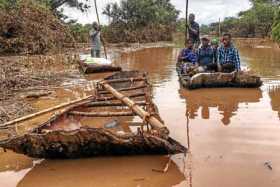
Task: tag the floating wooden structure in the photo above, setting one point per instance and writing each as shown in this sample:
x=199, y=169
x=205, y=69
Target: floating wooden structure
x=218, y=80
x=97, y=68
x=112, y=122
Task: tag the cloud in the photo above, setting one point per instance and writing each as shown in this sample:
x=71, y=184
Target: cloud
x=206, y=11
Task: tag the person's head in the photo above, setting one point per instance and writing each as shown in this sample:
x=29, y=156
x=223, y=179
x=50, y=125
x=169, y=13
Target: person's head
x=189, y=44
x=227, y=39
x=191, y=18
x=215, y=43
x=205, y=41
x=95, y=26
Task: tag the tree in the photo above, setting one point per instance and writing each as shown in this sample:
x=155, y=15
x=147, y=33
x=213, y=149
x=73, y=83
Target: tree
x=133, y=18
x=276, y=26
x=54, y=5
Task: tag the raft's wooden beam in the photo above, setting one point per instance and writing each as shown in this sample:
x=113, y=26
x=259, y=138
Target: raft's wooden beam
x=137, y=79
x=154, y=122
x=114, y=98
x=108, y=103
x=125, y=89
x=102, y=114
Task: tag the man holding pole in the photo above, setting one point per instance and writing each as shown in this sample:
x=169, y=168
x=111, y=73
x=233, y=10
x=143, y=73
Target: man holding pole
x=194, y=31
x=95, y=40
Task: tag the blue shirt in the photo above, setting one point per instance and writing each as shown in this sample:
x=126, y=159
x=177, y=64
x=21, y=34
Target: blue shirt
x=194, y=36
x=205, y=56
x=188, y=55
x=229, y=55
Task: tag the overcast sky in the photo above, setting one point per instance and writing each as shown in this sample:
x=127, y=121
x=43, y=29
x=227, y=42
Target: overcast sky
x=206, y=11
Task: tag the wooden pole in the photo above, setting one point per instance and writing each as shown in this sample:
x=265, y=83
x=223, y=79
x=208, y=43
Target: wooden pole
x=219, y=27
x=125, y=89
x=126, y=80
x=187, y=18
x=111, y=104
x=102, y=114
x=98, y=20
x=154, y=122
x=86, y=99
x=114, y=98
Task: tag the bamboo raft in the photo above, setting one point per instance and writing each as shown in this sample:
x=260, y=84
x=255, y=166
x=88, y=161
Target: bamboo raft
x=104, y=124
x=94, y=68
x=219, y=80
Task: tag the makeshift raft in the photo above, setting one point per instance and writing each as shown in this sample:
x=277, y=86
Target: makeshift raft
x=218, y=80
x=103, y=125
x=97, y=65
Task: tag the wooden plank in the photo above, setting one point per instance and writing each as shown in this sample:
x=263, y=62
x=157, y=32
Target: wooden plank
x=125, y=89
x=101, y=114
x=109, y=103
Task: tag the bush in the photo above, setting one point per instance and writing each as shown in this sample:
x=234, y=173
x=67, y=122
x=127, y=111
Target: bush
x=30, y=28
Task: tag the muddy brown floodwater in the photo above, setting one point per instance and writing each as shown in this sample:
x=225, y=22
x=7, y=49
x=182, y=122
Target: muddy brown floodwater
x=232, y=135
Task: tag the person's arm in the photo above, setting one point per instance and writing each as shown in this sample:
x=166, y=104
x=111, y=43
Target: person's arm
x=194, y=29
x=180, y=56
x=219, y=59
x=237, y=60
x=198, y=56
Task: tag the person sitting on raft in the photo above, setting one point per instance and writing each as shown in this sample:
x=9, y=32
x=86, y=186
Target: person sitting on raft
x=215, y=46
x=187, y=58
x=228, y=55
x=206, y=56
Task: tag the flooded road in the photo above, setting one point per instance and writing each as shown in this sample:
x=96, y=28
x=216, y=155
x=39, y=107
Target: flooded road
x=232, y=135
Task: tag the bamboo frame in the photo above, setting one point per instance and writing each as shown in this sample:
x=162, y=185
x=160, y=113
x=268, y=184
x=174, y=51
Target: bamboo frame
x=101, y=114
x=110, y=104
x=137, y=79
x=154, y=122
x=125, y=89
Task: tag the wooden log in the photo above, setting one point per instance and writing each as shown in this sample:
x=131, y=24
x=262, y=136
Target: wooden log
x=10, y=123
x=154, y=122
x=125, y=89
x=101, y=114
x=108, y=104
x=114, y=98
x=137, y=79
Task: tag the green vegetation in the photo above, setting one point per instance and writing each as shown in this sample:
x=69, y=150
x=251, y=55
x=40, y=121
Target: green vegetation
x=140, y=20
x=262, y=20
x=276, y=26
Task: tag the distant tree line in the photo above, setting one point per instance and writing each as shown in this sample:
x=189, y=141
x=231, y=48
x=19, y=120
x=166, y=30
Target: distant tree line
x=261, y=20
x=140, y=20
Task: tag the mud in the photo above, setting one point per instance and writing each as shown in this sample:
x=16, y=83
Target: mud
x=232, y=133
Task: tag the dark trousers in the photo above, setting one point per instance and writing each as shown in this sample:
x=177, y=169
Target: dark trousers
x=212, y=67
x=95, y=53
x=228, y=68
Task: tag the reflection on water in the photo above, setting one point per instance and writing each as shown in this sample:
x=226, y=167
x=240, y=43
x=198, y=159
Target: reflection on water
x=274, y=93
x=119, y=171
x=225, y=100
